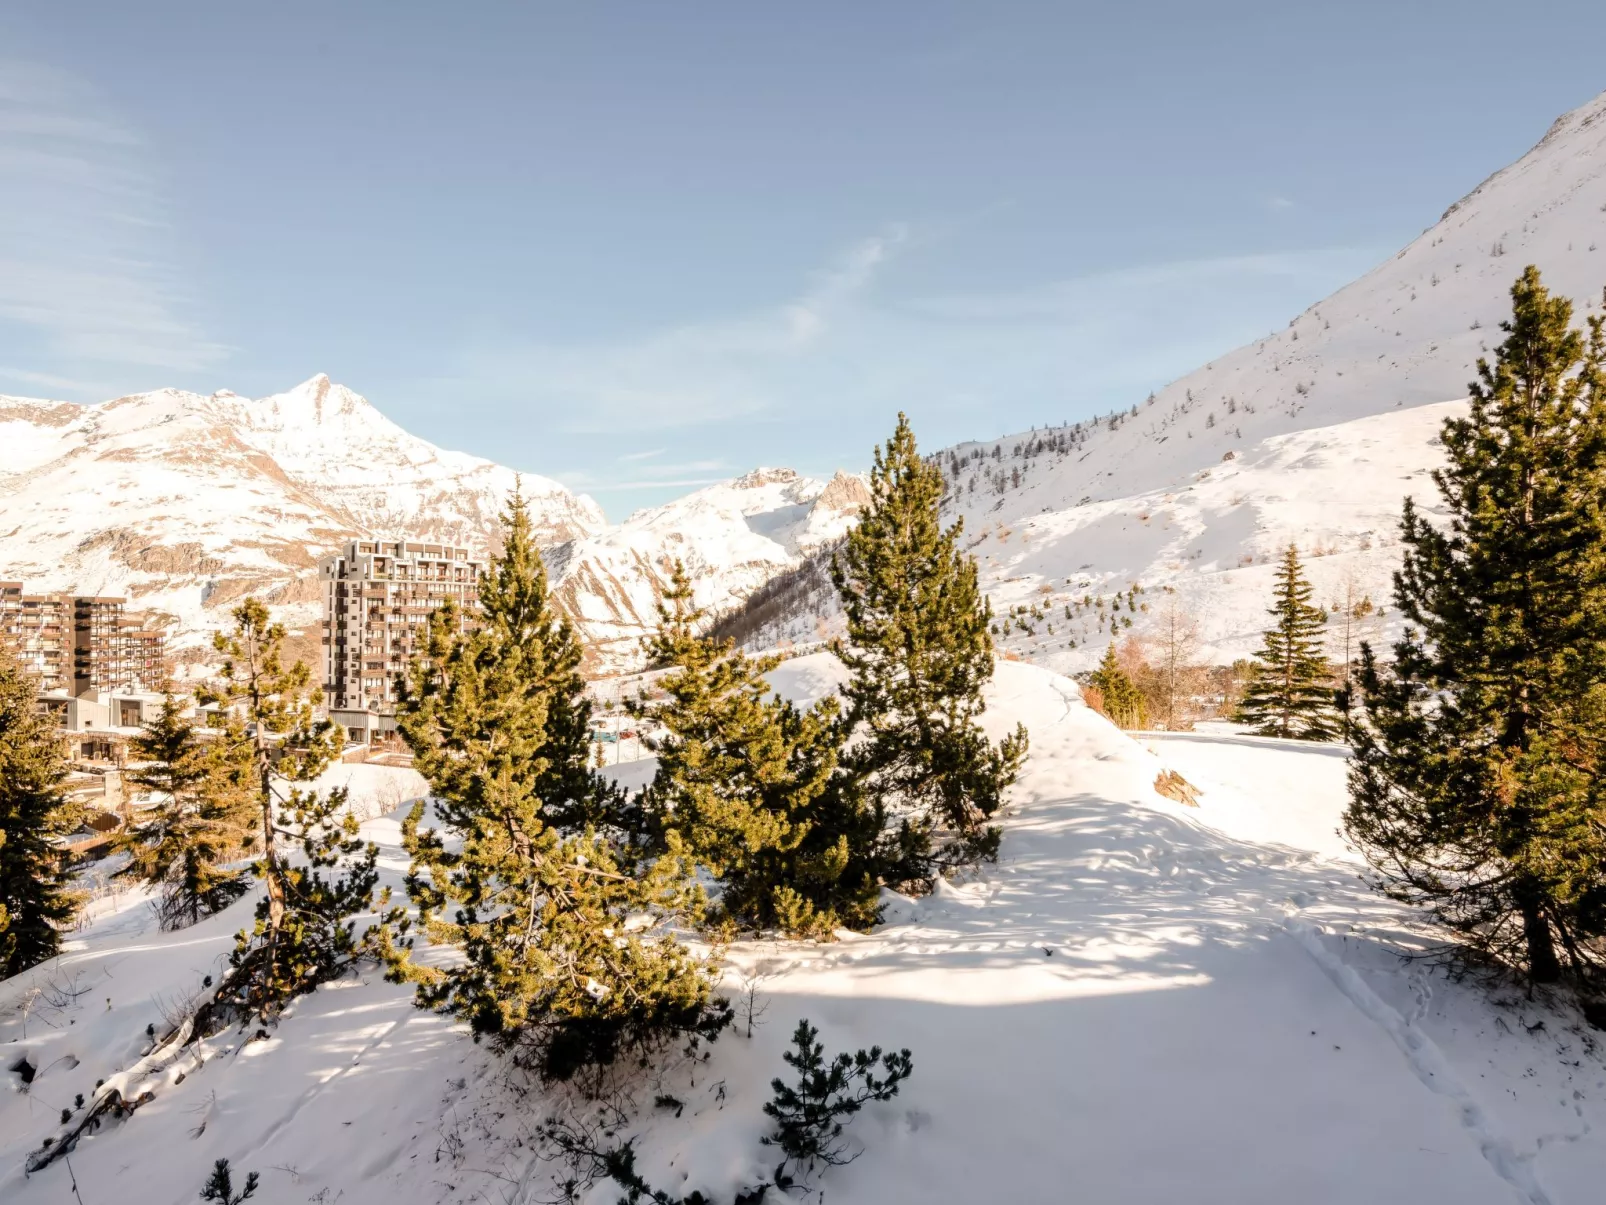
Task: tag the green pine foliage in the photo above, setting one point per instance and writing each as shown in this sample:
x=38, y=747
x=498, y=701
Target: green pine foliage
x=304, y=925
x=566, y=927
x=1289, y=693
x=809, y=1116
x=324, y=890
x=36, y=899
x=202, y=818
x=1477, y=781
x=219, y=1185
x=497, y=716
x=746, y=785
x=1123, y=701
x=920, y=651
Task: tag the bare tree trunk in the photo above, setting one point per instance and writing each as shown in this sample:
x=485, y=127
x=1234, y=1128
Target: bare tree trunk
x=1543, y=965
x=1178, y=640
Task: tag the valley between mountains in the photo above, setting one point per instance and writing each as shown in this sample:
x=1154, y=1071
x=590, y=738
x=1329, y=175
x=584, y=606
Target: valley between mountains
x=1313, y=434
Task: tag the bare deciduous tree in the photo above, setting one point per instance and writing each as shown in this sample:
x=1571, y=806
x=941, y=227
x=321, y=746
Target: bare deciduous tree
x=1174, y=673
x=1356, y=614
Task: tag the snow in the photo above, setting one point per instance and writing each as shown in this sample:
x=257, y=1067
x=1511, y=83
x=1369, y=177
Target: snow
x=731, y=537
x=185, y=502
x=1312, y=435
x=1141, y=1002
x=1258, y=788
x=1329, y=423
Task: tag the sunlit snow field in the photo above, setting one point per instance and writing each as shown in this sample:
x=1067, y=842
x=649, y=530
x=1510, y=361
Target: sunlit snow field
x=1141, y=1002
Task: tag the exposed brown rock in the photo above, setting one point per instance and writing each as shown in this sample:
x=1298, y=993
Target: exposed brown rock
x=844, y=492
x=1176, y=788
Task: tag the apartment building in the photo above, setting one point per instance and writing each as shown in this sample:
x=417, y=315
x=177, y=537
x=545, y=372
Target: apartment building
x=39, y=630
x=80, y=645
x=111, y=649
x=143, y=650
x=378, y=597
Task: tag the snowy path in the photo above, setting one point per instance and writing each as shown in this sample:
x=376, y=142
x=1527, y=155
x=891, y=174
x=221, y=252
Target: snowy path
x=1141, y=1003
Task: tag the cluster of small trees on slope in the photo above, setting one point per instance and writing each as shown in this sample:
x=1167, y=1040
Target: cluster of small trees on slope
x=1478, y=781
x=566, y=898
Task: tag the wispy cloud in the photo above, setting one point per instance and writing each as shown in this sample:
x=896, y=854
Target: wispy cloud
x=689, y=374
x=849, y=346
x=825, y=372
x=87, y=284
x=649, y=476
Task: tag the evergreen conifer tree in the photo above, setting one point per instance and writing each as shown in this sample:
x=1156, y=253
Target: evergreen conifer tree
x=202, y=818
x=565, y=927
x=35, y=896
x=746, y=781
x=323, y=891
x=1476, y=785
x=919, y=650
x=1123, y=701
x=304, y=930
x=1288, y=693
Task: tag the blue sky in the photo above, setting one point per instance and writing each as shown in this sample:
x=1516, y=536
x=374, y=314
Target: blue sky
x=643, y=246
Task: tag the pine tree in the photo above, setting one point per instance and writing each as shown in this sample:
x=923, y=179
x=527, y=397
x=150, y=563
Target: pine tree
x=1288, y=694
x=202, y=817
x=219, y=1185
x=35, y=897
x=809, y=1117
x=746, y=783
x=919, y=650
x=1123, y=701
x=304, y=930
x=323, y=891
x=1476, y=785
x=569, y=960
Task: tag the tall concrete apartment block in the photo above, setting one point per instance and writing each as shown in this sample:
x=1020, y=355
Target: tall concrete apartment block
x=38, y=628
x=378, y=597
x=81, y=645
x=111, y=649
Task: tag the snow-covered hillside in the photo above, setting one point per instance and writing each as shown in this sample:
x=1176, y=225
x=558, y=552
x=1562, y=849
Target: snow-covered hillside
x=731, y=537
x=185, y=503
x=1313, y=434
x=1141, y=1003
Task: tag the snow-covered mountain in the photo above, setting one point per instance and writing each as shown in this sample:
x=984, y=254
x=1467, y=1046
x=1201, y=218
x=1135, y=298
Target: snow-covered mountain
x=732, y=538
x=186, y=503
x=1313, y=434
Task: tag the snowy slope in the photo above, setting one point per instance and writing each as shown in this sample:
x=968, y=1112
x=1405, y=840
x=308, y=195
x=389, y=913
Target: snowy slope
x=1327, y=424
x=1141, y=1003
x=731, y=537
x=1210, y=540
x=186, y=503
x=1312, y=435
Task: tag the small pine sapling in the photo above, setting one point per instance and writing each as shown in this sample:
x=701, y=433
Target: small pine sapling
x=220, y=1185
x=808, y=1117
